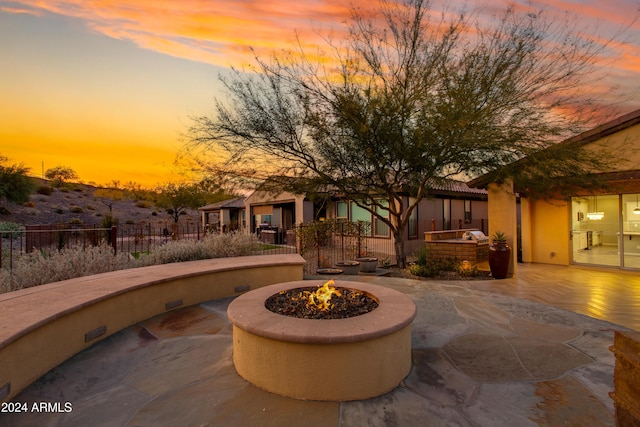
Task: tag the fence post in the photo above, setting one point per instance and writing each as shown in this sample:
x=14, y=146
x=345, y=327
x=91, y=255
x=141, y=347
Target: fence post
x=114, y=239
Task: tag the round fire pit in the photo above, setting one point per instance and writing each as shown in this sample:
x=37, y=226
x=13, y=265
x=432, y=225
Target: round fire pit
x=323, y=359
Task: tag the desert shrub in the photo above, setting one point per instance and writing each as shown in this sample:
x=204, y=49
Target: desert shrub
x=59, y=210
x=75, y=221
x=421, y=256
x=91, y=208
x=212, y=246
x=29, y=205
x=231, y=244
x=36, y=268
x=470, y=272
x=45, y=190
x=129, y=222
x=433, y=267
x=177, y=251
x=4, y=211
x=143, y=204
x=7, y=227
x=76, y=209
x=425, y=267
x=64, y=189
x=109, y=221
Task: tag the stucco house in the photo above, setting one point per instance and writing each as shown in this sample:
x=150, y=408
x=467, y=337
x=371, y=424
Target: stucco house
x=225, y=216
x=597, y=228
x=453, y=205
x=277, y=214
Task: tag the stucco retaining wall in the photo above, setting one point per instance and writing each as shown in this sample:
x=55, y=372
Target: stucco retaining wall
x=43, y=326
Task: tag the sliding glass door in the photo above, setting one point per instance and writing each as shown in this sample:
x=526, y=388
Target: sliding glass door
x=595, y=230
x=631, y=230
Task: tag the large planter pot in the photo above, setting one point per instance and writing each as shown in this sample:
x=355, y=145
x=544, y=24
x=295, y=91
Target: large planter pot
x=349, y=267
x=368, y=264
x=499, y=259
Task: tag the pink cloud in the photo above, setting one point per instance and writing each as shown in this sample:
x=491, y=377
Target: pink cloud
x=211, y=31
x=20, y=11
x=223, y=32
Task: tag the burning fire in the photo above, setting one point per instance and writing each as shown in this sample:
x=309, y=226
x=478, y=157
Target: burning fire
x=321, y=299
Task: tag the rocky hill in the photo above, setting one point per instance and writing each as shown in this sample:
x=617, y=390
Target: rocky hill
x=77, y=205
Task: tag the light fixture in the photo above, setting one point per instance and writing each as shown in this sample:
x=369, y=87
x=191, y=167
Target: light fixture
x=636, y=210
x=596, y=214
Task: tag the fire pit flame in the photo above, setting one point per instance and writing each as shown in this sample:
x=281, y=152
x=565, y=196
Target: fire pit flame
x=321, y=299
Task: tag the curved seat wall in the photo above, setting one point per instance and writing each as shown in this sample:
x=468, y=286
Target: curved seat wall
x=43, y=326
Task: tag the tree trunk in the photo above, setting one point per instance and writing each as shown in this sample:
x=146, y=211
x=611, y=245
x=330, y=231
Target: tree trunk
x=401, y=257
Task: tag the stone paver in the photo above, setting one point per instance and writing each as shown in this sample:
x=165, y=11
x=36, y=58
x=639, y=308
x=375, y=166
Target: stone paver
x=479, y=359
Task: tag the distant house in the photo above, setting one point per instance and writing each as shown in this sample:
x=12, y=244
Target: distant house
x=225, y=216
x=451, y=206
x=277, y=214
x=598, y=228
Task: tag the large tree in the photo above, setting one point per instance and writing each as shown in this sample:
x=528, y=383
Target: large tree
x=405, y=102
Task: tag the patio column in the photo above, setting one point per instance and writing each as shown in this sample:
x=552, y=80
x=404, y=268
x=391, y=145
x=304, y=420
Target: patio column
x=503, y=217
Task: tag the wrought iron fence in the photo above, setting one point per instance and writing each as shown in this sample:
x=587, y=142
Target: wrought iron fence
x=321, y=244
x=126, y=238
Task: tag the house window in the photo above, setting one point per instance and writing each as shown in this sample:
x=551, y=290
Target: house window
x=467, y=212
x=412, y=225
x=360, y=214
x=380, y=228
x=341, y=210
x=446, y=214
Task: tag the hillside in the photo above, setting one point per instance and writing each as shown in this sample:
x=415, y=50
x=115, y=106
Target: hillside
x=77, y=205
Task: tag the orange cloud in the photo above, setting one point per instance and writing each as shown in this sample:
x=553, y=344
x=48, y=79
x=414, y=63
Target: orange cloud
x=222, y=32
x=20, y=11
x=219, y=32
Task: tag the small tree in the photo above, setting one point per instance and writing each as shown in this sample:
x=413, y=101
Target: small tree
x=60, y=174
x=15, y=185
x=177, y=198
x=109, y=196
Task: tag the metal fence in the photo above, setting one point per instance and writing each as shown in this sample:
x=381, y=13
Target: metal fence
x=321, y=244
x=124, y=238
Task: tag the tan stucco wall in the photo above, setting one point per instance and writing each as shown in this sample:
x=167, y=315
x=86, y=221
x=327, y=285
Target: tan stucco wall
x=44, y=326
x=624, y=144
x=503, y=217
x=292, y=369
x=546, y=225
x=550, y=232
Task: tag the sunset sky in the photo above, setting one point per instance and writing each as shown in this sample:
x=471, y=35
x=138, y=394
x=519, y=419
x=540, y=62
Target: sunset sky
x=107, y=87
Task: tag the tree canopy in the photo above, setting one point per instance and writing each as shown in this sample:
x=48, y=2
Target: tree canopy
x=176, y=198
x=60, y=174
x=15, y=185
x=408, y=100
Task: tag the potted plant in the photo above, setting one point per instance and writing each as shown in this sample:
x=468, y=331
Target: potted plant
x=499, y=255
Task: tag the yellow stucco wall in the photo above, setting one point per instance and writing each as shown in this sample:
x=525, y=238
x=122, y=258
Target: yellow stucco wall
x=624, y=144
x=503, y=218
x=546, y=227
x=549, y=237
x=70, y=309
